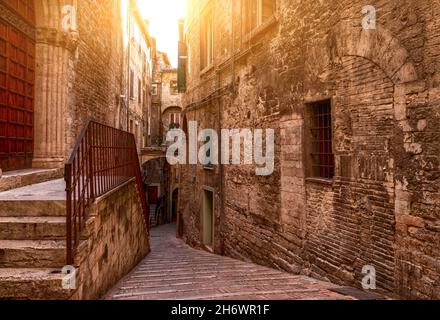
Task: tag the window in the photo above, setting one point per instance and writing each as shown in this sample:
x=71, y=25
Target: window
x=320, y=140
x=256, y=12
x=139, y=90
x=207, y=41
x=131, y=84
x=174, y=120
x=173, y=87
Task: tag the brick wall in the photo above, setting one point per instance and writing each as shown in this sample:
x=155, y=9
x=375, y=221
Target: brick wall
x=117, y=240
x=382, y=206
x=97, y=65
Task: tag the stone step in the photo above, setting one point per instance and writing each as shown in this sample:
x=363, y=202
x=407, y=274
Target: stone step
x=26, y=208
x=32, y=228
x=32, y=254
x=32, y=284
x=21, y=178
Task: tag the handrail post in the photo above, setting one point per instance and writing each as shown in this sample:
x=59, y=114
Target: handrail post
x=91, y=176
x=68, y=179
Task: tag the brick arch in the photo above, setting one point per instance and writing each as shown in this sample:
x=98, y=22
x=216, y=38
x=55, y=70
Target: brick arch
x=378, y=46
x=172, y=108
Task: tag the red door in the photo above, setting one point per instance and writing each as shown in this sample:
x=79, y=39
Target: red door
x=17, y=73
x=153, y=195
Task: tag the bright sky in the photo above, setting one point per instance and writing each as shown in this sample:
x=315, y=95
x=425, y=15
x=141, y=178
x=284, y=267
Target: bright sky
x=164, y=16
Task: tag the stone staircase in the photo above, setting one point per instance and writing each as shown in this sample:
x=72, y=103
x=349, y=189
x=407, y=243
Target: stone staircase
x=153, y=222
x=17, y=179
x=32, y=242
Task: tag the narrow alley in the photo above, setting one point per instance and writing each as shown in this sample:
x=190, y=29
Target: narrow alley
x=175, y=271
x=219, y=150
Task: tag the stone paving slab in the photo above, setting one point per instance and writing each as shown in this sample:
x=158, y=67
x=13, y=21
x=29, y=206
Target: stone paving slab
x=21, y=178
x=175, y=271
x=51, y=190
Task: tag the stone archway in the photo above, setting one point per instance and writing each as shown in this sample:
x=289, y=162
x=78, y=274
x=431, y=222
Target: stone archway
x=364, y=71
x=378, y=46
x=56, y=43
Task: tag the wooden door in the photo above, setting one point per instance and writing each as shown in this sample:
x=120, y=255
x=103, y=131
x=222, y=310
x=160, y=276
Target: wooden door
x=208, y=219
x=17, y=77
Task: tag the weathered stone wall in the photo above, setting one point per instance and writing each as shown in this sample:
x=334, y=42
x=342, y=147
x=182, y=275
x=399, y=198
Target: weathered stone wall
x=78, y=74
x=116, y=241
x=98, y=64
x=169, y=98
x=382, y=207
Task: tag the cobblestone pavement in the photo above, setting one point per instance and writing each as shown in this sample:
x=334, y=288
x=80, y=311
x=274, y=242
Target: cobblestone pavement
x=175, y=271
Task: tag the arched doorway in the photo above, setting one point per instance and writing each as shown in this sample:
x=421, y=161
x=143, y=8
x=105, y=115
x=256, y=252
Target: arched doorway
x=155, y=180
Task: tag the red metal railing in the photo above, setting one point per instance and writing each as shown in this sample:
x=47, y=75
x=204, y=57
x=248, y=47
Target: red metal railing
x=102, y=159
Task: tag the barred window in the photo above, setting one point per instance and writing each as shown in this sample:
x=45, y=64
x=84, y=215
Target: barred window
x=320, y=140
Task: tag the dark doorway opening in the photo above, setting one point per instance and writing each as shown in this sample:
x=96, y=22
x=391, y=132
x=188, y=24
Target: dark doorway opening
x=208, y=219
x=174, y=204
x=153, y=195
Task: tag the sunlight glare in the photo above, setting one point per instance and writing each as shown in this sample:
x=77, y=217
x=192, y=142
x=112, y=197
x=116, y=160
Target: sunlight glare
x=164, y=16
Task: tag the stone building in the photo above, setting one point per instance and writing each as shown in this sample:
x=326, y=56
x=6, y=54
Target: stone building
x=162, y=179
x=140, y=51
x=56, y=74
x=62, y=66
x=171, y=102
x=357, y=148
x=160, y=63
x=166, y=100
x=63, y=62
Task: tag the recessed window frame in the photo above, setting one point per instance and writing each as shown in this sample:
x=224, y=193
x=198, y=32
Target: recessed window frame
x=174, y=87
x=207, y=39
x=139, y=90
x=319, y=140
x=131, y=89
x=253, y=15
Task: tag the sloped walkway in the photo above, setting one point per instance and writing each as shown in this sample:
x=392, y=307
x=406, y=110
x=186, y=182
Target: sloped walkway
x=173, y=270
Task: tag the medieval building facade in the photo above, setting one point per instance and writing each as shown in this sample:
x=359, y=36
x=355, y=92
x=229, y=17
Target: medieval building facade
x=140, y=50
x=357, y=149
x=162, y=179
x=58, y=74
x=62, y=64
x=60, y=67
